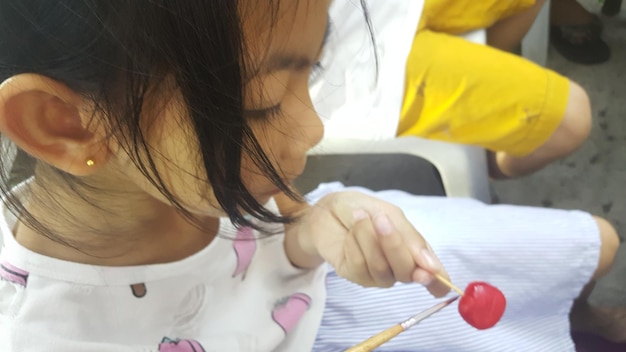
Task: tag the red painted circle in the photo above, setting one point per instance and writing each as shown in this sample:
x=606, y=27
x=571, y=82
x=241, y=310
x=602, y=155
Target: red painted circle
x=482, y=305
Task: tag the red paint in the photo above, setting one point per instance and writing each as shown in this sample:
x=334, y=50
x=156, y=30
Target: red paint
x=482, y=305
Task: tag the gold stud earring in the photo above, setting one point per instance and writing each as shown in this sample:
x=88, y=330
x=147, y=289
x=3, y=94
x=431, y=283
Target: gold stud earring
x=90, y=162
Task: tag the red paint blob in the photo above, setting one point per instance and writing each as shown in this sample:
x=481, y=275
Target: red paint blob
x=482, y=305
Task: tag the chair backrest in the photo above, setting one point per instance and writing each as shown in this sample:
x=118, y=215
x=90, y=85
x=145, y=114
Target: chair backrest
x=375, y=171
x=460, y=169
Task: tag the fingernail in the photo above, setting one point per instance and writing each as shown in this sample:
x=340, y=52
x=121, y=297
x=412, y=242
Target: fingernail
x=431, y=261
x=359, y=215
x=383, y=225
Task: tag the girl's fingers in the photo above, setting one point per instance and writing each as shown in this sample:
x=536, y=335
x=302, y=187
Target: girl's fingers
x=438, y=288
x=355, y=262
x=394, y=249
x=427, y=262
x=434, y=286
x=416, y=244
x=378, y=267
x=381, y=246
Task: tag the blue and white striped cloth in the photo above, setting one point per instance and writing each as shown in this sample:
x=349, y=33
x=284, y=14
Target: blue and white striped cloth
x=540, y=258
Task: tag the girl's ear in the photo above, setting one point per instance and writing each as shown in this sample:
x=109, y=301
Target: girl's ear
x=49, y=121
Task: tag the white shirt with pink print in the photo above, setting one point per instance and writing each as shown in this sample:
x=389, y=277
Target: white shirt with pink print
x=240, y=293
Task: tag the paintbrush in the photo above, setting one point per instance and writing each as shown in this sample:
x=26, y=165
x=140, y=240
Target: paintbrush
x=395, y=330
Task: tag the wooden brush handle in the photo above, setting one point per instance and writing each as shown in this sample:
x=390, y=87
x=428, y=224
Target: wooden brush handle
x=377, y=339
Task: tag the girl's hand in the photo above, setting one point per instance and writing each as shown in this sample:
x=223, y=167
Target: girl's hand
x=368, y=241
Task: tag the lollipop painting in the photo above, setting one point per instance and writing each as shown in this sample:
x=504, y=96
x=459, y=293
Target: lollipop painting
x=481, y=304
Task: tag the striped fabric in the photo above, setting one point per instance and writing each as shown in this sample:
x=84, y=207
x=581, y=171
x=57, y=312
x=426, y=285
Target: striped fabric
x=540, y=259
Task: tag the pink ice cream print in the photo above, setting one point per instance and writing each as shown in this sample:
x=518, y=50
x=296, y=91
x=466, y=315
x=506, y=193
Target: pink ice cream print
x=245, y=246
x=176, y=345
x=289, y=310
x=13, y=274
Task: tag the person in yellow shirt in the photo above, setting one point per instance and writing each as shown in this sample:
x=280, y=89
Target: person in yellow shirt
x=462, y=92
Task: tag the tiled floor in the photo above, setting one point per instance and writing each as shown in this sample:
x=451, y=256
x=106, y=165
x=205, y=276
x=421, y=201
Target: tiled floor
x=594, y=178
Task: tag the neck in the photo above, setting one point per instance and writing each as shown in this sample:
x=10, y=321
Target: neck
x=112, y=226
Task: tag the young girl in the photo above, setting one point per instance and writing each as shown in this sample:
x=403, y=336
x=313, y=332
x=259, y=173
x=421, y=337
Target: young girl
x=160, y=215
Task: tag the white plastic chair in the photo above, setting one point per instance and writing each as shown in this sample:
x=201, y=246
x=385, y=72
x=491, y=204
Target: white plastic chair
x=462, y=169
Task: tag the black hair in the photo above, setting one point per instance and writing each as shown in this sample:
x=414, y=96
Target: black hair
x=114, y=51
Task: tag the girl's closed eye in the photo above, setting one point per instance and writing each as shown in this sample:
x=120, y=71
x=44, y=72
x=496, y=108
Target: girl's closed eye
x=316, y=70
x=266, y=113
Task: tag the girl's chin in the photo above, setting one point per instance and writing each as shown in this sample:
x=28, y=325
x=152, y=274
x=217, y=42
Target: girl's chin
x=263, y=199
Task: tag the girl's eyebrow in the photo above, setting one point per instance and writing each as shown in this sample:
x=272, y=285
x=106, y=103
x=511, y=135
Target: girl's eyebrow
x=287, y=61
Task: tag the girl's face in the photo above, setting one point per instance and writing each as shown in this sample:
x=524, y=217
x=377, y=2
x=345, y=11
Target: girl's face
x=277, y=103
